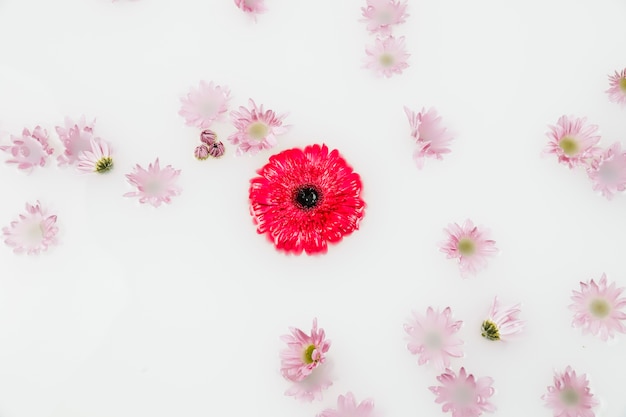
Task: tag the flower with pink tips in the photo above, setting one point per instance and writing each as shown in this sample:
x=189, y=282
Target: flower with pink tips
x=347, y=407
x=29, y=150
x=76, y=137
x=433, y=337
x=98, y=159
x=257, y=129
x=464, y=395
x=432, y=139
x=382, y=15
x=204, y=105
x=304, y=352
x=599, y=308
x=607, y=170
x=312, y=387
x=501, y=322
x=469, y=245
x=570, y=396
x=573, y=140
x=33, y=232
x=155, y=185
x=387, y=56
x=617, y=87
x=251, y=6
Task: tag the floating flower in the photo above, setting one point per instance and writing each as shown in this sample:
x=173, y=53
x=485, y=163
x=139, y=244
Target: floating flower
x=607, y=170
x=464, y=395
x=570, y=395
x=598, y=308
x=501, y=322
x=433, y=139
x=303, y=199
x=572, y=140
x=208, y=137
x=33, y=232
x=381, y=15
x=98, y=159
x=256, y=129
x=76, y=137
x=311, y=387
x=201, y=152
x=433, y=337
x=204, y=105
x=347, y=407
x=387, y=56
x=216, y=149
x=617, y=87
x=29, y=150
x=251, y=6
x=155, y=185
x=469, y=245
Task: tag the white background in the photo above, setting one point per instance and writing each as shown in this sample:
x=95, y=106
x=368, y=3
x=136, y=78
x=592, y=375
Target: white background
x=178, y=310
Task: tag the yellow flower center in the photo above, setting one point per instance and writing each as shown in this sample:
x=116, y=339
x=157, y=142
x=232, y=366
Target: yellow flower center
x=386, y=60
x=489, y=330
x=105, y=164
x=600, y=308
x=308, y=354
x=570, y=397
x=466, y=247
x=258, y=130
x=622, y=84
x=569, y=146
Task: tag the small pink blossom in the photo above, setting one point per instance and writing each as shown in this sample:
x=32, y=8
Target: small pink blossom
x=607, y=170
x=432, y=139
x=570, y=396
x=204, y=105
x=382, y=15
x=304, y=352
x=433, y=337
x=76, y=137
x=155, y=185
x=208, y=137
x=469, y=245
x=251, y=6
x=29, y=150
x=573, y=141
x=501, y=322
x=256, y=129
x=464, y=395
x=387, y=56
x=598, y=308
x=312, y=387
x=617, y=87
x=201, y=152
x=347, y=407
x=98, y=159
x=216, y=149
x=33, y=232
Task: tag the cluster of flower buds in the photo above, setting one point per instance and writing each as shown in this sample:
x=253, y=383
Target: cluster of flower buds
x=210, y=146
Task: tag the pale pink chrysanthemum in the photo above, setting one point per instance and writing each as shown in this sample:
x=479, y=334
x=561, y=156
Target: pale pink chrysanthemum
x=570, y=396
x=204, y=105
x=607, y=170
x=155, y=185
x=387, y=56
x=598, y=308
x=98, y=159
x=464, y=395
x=256, y=129
x=312, y=387
x=572, y=140
x=33, y=232
x=501, y=322
x=617, y=87
x=76, y=137
x=382, y=15
x=469, y=245
x=304, y=352
x=433, y=337
x=432, y=139
x=347, y=407
x=29, y=150
x=251, y=6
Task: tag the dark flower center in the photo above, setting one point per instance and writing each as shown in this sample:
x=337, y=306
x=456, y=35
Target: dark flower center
x=307, y=197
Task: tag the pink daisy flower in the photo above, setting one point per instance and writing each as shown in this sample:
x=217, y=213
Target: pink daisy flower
x=433, y=337
x=76, y=137
x=381, y=15
x=570, y=395
x=98, y=159
x=433, y=139
x=32, y=232
x=607, y=170
x=155, y=185
x=572, y=140
x=617, y=87
x=501, y=322
x=256, y=129
x=251, y=6
x=387, y=56
x=347, y=407
x=598, y=308
x=464, y=395
x=469, y=245
x=304, y=352
x=204, y=105
x=29, y=150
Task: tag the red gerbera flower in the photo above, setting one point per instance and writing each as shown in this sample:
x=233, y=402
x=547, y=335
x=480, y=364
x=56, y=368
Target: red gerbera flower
x=304, y=198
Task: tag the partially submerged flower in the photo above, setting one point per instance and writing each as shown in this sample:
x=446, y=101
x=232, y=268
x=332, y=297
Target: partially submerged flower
x=501, y=322
x=469, y=245
x=33, y=232
x=29, y=150
x=464, y=395
x=98, y=159
x=599, y=308
x=251, y=6
x=617, y=87
x=382, y=15
x=432, y=138
x=607, y=170
x=387, y=56
x=347, y=407
x=573, y=141
x=257, y=129
x=76, y=138
x=570, y=396
x=204, y=105
x=155, y=185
